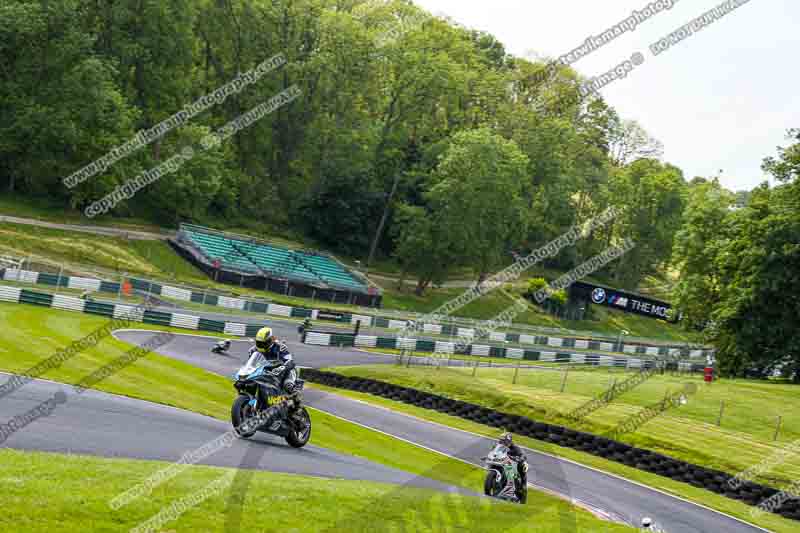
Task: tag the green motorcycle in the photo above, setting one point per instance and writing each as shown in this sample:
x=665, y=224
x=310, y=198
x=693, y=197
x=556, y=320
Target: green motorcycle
x=502, y=477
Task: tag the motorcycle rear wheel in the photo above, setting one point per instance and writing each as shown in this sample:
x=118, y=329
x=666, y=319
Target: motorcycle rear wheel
x=241, y=411
x=298, y=439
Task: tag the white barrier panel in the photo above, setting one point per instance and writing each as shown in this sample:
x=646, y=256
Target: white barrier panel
x=634, y=363
x=466, y=332
x=232, y=328
x=497, y=336
x=606, y=346
x=527, y=339
x=577, y=358
x=365, y=320
x=444, y=347
x=515, y=353
x=629, y=348
x=478, y=349
x=696, y=353
x=129, y=312
x=555, y=341
x=547, y=356
x=86, y=284
x=10, y=294
x=397, y=324
x=318, y=339
x=279, y=310
x=368, y=341
x=651, y=350
x=432, y=328
x=407, y=344
x=176, y=293
x=580, y=343
x=605, y=360
x=185, y=321
x=67, y=302
x=674, y=351
x=22, y=276
x=230, y=303
x=314, y=314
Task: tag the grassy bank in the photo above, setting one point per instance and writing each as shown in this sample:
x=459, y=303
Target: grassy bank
x=51, y=492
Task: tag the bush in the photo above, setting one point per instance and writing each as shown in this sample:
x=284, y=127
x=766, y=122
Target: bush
x=535, y=284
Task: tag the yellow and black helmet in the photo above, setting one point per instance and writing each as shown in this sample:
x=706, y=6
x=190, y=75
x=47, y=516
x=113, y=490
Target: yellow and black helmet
x=264, y=339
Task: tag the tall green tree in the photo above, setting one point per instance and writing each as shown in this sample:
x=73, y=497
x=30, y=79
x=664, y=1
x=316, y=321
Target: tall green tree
x=479, y=188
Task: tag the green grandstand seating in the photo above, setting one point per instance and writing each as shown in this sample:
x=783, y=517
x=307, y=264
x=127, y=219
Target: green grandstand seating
x=252, y=257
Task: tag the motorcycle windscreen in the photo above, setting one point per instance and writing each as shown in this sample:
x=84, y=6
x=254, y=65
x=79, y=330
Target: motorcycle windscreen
x=254, y=362
x=499, y=452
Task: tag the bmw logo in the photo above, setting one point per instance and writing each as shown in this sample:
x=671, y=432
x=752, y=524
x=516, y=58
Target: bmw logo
x=598, y=295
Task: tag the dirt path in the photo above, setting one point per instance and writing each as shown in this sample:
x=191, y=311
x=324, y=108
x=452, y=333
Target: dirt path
x=98, y=230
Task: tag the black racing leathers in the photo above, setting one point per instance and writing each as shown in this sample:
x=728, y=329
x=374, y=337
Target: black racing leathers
x=515, y=452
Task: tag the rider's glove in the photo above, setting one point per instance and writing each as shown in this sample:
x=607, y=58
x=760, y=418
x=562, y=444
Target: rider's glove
x=289, y=387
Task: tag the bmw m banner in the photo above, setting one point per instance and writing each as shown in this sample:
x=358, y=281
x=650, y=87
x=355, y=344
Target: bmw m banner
x=625, y=301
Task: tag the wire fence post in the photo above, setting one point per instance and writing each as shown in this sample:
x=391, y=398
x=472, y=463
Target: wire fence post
x=721, y=410
x=516, y=373
x=564, y=380
x=58, y=280
x=475, y=368
x=777, y=428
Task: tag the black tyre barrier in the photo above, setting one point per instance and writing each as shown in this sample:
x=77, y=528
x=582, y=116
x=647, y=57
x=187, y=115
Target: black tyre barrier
x=698, y=476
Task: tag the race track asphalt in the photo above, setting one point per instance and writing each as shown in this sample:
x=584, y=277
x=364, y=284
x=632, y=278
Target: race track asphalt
x=107, y=425
x=620, y=499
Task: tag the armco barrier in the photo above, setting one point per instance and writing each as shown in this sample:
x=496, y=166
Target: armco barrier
x=646, y=460
x=478, y=350
x=67, y=303
x=183, y=294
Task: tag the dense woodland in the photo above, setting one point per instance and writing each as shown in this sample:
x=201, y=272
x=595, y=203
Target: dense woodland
x=414, y=138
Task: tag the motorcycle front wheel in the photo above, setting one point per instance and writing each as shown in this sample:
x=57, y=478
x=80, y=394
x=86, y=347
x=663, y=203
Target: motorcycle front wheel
x=241, y=410
x=297, y=438
x=490, y=483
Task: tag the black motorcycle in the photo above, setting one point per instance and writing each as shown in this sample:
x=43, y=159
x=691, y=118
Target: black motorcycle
x=263, y=405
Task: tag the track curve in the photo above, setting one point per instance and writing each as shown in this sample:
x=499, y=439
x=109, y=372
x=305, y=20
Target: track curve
x=97, y=423
x=620, y=498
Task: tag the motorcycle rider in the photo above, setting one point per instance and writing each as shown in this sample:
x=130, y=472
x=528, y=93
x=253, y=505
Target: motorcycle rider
x=223, y=346
x=305, y=326
x=274, y=350
x=515, y=453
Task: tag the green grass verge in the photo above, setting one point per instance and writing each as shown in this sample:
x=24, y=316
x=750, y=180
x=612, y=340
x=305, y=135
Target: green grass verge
x=51, y=492
x=30, y=334
x=689, y=433
x=720, y=503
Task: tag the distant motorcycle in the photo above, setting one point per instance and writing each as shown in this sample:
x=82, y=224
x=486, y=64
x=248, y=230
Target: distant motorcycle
x=305, y=326
x=263, y=405
x=502, y=477
x=221, y=347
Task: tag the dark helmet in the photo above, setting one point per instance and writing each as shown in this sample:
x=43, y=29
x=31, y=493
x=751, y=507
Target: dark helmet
x=506, y=440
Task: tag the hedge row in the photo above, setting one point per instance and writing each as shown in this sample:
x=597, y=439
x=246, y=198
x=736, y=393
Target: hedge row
x=698, y=476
